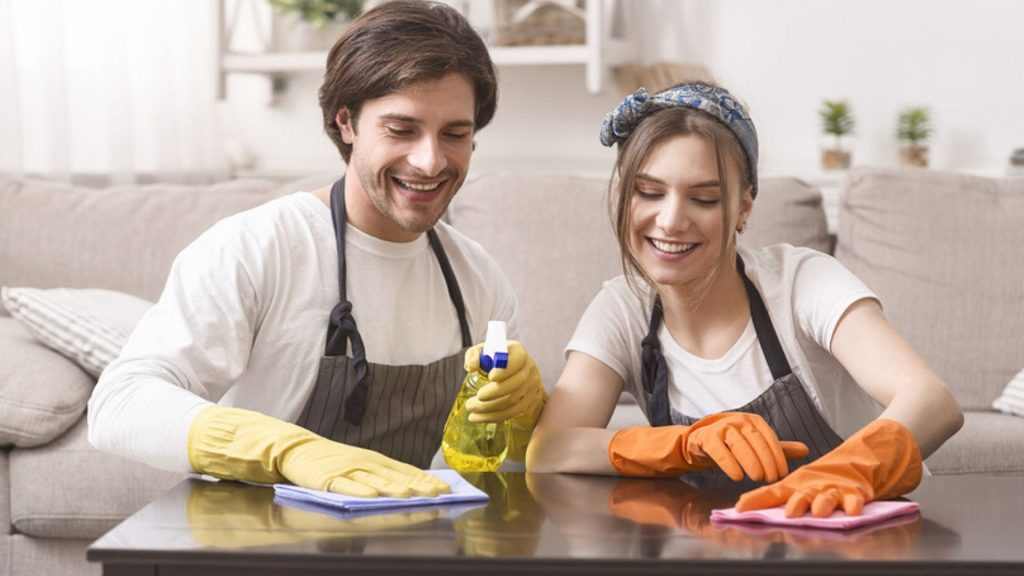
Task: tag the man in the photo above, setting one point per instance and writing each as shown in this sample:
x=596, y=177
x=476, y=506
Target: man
x=346, y=310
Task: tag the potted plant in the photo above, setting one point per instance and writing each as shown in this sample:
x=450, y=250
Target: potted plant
x=837, y=122
x=312, y=24
x=913, y=128
x=318, y=13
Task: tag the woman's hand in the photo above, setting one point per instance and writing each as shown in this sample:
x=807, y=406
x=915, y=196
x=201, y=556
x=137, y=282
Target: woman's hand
x=878, y=462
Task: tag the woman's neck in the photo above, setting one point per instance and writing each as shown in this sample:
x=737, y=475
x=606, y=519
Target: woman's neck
x=707, y=321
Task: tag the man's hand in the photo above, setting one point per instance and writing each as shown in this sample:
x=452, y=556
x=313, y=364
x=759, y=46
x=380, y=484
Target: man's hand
x=513, y=392
x=236, y=444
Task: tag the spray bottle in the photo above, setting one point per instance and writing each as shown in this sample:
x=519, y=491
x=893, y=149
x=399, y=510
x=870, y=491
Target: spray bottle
x=478, y=446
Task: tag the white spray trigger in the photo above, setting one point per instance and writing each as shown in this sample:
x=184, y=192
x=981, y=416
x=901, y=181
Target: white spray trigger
x=495, y=352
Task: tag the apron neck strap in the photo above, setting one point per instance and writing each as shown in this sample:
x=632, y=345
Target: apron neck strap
x=342, y=324
x=654, y=369
x=453, y=286
x=766, y=335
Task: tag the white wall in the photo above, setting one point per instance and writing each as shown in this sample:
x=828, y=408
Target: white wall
x=964, y=59
x=545, y=120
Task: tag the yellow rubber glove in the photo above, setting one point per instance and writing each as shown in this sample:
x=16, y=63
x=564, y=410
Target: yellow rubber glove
x=880, y=461
x=236, y=444
x=736, y=442
x=514, y=393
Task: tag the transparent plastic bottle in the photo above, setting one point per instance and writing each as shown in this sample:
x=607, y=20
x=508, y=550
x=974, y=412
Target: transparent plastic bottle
x=473, y=446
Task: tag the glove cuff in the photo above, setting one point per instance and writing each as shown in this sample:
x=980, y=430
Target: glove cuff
x=236, y=444
x=649, y=451
x=897, y=467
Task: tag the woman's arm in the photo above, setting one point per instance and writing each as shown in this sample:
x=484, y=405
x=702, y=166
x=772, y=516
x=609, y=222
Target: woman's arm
x=571, y=434
x=888, y=368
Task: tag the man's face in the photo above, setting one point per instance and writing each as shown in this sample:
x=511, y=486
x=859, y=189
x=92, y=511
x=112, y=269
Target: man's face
x=410, y=154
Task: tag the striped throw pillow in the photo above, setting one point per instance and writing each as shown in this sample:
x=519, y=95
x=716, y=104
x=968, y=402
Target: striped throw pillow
x=89, y=326
x=1011, y=400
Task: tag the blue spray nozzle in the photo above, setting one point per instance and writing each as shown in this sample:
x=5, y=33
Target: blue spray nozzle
x=500, y=360
x=495, y=350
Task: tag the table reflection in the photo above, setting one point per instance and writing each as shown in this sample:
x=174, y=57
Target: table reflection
x=666, y=518
x=578, y=516
x=232, y=515
x=509, y=525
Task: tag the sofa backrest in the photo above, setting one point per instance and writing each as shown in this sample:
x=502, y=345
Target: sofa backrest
x=123, y=238
x=787, y=210
x=553, y=238
x=550, y=233
x=945, y=253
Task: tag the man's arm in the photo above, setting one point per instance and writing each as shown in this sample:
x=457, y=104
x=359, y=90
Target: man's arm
x=184, y=354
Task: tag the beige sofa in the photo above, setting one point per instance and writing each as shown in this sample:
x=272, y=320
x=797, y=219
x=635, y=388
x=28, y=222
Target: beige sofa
x=942, y=251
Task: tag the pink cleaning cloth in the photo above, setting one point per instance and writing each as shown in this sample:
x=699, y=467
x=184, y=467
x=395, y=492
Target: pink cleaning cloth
x=873, y=513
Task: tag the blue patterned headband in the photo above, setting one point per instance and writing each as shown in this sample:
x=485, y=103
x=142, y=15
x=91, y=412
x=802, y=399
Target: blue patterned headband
x=715, y=101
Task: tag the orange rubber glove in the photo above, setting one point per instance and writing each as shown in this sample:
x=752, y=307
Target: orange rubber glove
x=880, y=461
x=667, y=503
x=736, y=442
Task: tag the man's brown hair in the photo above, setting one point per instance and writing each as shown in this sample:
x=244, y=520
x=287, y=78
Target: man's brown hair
x=399, y=43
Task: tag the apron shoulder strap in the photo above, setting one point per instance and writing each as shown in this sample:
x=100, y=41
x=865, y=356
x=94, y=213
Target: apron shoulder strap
x=654, y=371
x=454, y=292
x=766, y=335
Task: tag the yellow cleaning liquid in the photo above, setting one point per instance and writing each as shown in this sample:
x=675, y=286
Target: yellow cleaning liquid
x=471, y=446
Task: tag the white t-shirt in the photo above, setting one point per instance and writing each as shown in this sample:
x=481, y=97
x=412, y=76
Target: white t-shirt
x=243, y=322
x=806, y=292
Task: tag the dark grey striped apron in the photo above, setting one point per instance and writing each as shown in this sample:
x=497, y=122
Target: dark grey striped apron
x=785, y=405
x=398, y=411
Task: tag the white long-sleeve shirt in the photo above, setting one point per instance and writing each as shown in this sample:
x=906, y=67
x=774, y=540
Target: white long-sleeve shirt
x=243, y=322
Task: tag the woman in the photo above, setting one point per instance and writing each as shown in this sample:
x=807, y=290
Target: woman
x=736, y=356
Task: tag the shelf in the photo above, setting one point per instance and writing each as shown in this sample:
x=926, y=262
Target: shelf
x=279, y=62
x=534, y=55
x=601, y=52
x=275, y=62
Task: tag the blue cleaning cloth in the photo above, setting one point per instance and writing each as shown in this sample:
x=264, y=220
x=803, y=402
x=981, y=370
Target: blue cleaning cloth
x=462, y=493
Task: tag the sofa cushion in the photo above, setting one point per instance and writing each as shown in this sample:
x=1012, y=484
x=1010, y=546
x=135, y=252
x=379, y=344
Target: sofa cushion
x=787, y=210
x=988, y=443
x=68, y=489
x=41, y=392
x=121, y=238
x=944, y=253
x=88, y=326
x=51, y=557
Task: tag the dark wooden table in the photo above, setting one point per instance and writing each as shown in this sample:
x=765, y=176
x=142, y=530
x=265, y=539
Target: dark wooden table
x=539, y=524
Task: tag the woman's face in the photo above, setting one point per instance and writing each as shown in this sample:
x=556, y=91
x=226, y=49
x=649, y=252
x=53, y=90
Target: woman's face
x=675, y=227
